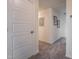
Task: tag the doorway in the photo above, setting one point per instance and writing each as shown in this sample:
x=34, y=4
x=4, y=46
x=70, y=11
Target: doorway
x=51, y=29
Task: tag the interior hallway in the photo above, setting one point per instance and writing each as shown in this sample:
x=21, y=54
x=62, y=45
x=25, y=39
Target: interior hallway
x=23, y=29
x=54, y=51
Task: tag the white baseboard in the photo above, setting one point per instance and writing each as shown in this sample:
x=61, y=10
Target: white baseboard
x=69, y=56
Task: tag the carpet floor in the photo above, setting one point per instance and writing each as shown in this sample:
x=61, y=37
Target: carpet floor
x=51, y=51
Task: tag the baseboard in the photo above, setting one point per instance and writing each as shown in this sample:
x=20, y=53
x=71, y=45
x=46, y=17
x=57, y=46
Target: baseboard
x=45, y=42
x=68, y=56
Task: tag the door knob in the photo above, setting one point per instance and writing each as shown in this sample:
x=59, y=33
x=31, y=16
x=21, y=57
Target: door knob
x=32, y=32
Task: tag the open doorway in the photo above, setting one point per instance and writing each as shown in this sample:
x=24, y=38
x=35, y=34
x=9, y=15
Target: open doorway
x=51, y=29
x=52, y=13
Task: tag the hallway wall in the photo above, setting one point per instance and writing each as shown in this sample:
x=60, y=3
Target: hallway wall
x=61, y=14
x=47, y=33
x=43, y=36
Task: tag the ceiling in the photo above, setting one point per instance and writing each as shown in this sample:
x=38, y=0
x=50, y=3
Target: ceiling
x=55, y=4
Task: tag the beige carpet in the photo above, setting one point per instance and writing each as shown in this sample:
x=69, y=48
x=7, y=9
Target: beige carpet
x=53, y=51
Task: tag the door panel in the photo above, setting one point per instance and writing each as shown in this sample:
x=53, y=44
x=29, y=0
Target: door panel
x=23, y=12
x=22, y=27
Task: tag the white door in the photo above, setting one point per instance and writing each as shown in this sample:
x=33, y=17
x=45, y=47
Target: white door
x=22, y=29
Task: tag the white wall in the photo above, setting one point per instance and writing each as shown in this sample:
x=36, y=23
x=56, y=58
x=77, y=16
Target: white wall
x=62, y=17
x=47, y=33
x=60, y=32
x=69, y=29
x=43, y=30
